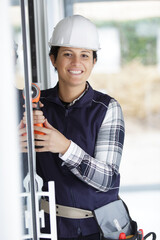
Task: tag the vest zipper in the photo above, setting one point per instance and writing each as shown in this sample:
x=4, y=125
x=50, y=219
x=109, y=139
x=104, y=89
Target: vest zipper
x=74, y=205
x=66, y=112
x=66, y=121
x=71, y=192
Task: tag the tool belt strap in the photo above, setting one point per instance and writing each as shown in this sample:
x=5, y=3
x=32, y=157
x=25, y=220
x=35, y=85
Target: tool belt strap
x=67, y=212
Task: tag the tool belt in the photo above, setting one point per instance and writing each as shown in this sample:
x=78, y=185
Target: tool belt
x=113, y=219
x=67, y=212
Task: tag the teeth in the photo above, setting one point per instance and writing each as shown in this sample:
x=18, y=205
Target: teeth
x=75, y=72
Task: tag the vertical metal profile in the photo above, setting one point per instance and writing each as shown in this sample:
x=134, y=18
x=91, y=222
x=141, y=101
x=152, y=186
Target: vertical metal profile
x=68, y=8
x=30, y=138
x=31, y=18
x=41, y=39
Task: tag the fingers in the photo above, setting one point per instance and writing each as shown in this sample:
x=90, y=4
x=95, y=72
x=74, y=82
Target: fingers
x=21, y=125
x=35, y=112
x=43, y=130
x=34, y=105
x=23, y=145
x=22, y=139
x=41, y=149
x=44, y=142
x=22, y=131
x=24, y=150
x=47, y=125
x=40, y=136
x=40, y=143
x=38, y=117
x=51, y=140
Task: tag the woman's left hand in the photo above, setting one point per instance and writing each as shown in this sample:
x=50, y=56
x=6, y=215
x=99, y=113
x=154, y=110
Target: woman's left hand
x=52, y=140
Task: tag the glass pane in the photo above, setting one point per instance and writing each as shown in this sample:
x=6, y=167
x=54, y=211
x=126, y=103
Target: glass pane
x=11, y=176
x=128, y=69
x=15, y=12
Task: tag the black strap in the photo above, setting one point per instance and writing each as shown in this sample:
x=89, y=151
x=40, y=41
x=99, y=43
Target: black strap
x=149, y=234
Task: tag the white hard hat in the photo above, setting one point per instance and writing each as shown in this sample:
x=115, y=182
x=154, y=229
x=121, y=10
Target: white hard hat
x=75, y=31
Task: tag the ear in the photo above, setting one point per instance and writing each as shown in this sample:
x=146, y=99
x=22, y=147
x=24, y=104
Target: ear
x=53, y=60
x=94, y=62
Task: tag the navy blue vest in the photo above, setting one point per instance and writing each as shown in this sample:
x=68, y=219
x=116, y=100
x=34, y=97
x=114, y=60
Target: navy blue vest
x=80, y=123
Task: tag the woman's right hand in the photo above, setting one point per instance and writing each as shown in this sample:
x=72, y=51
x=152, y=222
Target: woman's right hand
x=22, y=137
x=38, y=116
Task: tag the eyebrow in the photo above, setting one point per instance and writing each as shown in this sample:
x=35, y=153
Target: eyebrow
x=68, y=50
x=86, y=51
x=64, y=50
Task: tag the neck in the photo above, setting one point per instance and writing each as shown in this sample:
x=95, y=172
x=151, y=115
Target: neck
x=70, y=93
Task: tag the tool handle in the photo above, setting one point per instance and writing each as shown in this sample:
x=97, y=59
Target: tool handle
x=140, y=232
x=122, y=235
x=37, y=107
x=39, y=125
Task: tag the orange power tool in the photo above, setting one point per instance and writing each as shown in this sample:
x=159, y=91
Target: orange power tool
x=36, y=93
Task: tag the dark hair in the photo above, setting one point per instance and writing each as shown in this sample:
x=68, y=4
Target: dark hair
x=54, y=51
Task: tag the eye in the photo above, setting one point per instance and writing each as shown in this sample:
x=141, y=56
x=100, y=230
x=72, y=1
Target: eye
x=67, y=54
x=85, y=56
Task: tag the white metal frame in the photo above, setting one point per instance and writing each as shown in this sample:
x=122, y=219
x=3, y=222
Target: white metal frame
x=40, y=217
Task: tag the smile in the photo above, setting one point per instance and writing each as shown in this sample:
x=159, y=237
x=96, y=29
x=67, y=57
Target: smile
x=75, y=72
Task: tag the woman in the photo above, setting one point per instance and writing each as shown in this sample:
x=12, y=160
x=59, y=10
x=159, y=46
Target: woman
x=83, y=130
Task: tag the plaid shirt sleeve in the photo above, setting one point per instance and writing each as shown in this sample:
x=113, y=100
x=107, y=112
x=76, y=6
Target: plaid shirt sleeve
x=99, y=171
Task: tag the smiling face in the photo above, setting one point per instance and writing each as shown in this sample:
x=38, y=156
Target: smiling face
x=74, y=65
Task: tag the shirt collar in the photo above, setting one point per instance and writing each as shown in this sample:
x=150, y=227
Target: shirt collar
x=85, y=98
x=75, y=100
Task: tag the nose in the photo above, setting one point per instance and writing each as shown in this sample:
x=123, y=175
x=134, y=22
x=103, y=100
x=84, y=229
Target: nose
x=76, y=60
